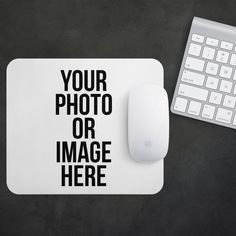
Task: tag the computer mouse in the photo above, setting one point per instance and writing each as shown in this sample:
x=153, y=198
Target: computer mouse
x=148, y=123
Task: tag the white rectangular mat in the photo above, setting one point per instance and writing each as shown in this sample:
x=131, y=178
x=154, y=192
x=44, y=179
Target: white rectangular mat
x=67, y=127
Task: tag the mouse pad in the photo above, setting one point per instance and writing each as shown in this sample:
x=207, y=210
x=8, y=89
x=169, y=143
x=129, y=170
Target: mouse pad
x=67, y=127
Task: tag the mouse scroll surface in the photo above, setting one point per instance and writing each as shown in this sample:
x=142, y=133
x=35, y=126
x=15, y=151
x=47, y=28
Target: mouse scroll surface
x=148, y=123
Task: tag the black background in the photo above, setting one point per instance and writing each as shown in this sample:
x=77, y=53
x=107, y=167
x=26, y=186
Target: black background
x=199, y=194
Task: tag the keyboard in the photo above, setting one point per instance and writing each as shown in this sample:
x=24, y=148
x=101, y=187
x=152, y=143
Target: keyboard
x=206, y=85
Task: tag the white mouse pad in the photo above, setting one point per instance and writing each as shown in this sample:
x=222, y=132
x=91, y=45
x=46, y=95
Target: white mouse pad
x=67, y=127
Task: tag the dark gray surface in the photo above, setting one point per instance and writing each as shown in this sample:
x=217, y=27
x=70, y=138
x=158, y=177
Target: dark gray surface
x=199, y=194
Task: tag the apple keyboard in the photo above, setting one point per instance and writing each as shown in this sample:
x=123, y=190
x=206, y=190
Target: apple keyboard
x=206, y=86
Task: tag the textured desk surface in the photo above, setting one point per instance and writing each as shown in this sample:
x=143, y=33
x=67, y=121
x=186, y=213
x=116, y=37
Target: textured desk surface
x=200, y=170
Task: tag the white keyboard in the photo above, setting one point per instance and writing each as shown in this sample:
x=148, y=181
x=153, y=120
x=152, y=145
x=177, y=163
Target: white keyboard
x=206, y=86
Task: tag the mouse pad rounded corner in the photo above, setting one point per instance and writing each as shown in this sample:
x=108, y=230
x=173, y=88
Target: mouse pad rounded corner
x=67, y=127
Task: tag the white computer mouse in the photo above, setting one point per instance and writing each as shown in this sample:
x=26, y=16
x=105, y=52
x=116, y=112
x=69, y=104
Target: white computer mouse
x=148, y=122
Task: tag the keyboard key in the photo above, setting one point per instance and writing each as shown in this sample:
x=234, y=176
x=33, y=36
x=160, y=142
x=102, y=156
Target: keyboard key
x=226, y=86
x=233, y=60
x=198, y=38
x=180, y=104
x=212, y=82
x=226, y=72
x=212, y=68
x=234, y=122
x=235, y=89
x=226, y=45
x=193, y=92
x=234, y=78
x=208, y=111
x=222, y=56
x=208, y=53
x=194, y=49
x=215, y=98
x=224, y=115
x=193, y=78
x=229, y=101
x=194, y=64
x=212, y=42
x=194, y=108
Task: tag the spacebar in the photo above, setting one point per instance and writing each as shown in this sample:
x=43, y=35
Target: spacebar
x=193, y=92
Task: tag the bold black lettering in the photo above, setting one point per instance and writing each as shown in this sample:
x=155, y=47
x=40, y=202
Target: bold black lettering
x=105, y=151
x=84, y=103
x=106, y=104
x=101, y=77
x=58, y=151
x=65, y=175
x=95, y=155
x=83, y=152
x=77, y=175
x=66, y=78
x=89, y=82
x=77, y=80
x=60, y=102
x=72, y=104
x=79, y=130
x=100, y=175
x=90, y=175
x=95, y=102
x=68, y=153
x=89, y=127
